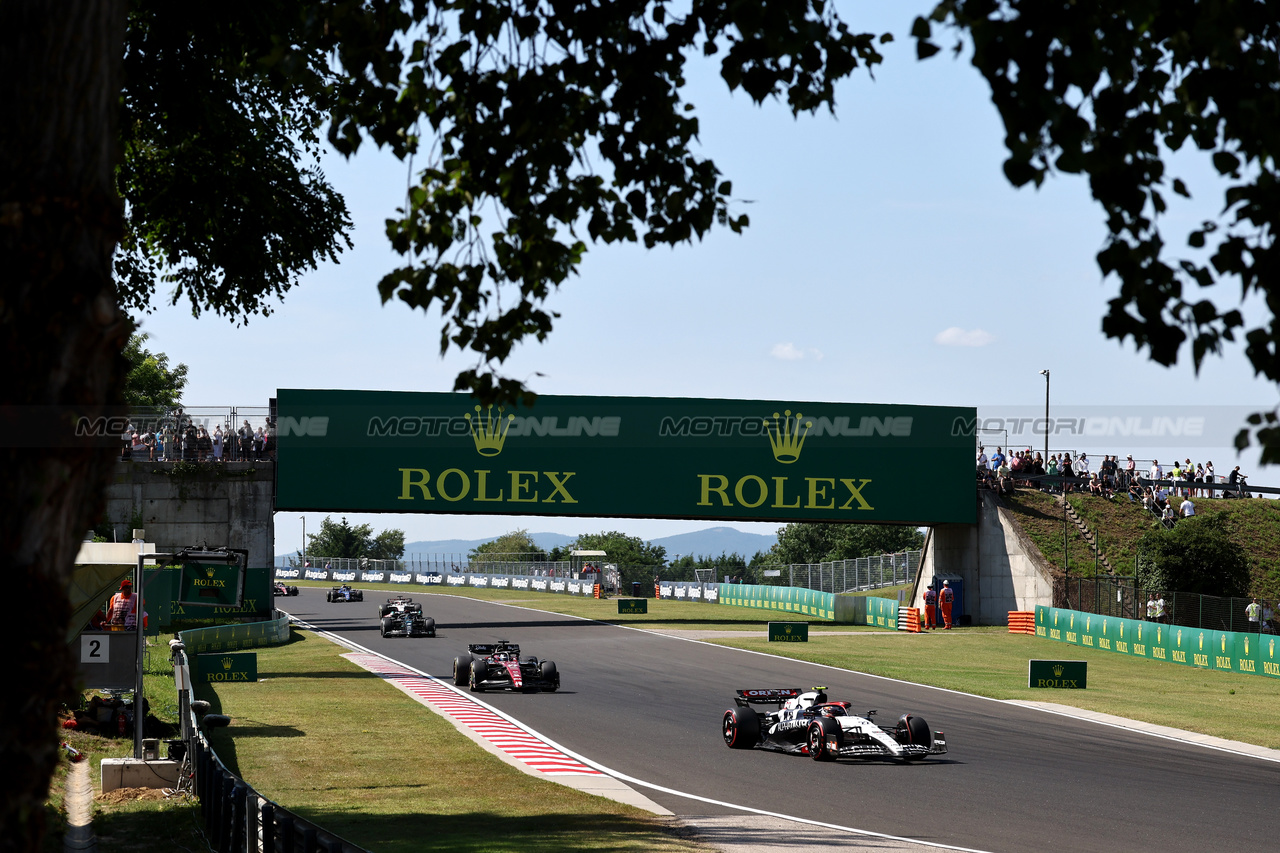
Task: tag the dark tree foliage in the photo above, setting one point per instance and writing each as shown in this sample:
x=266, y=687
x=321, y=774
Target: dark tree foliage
x=150, y=381
x=1196, y=556
x=1110, y=90
x=534, y=126
x=815, y=543
x=338, y=539
x=515, y=545
x=225, y=205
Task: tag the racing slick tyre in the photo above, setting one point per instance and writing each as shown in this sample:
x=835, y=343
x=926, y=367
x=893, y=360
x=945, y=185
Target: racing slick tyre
x=357, y=595
x=550, y=676
x=431, y=627
x=384, y=625
x=383, y=610
x=328, y=596
x=292, y=590
x=819, y=731
x=740, y=728
x=461, y=670
x=478, y=672
x=914, y=730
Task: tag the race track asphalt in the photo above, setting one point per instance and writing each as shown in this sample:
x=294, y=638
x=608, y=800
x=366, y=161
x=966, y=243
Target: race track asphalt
x=1016, y=779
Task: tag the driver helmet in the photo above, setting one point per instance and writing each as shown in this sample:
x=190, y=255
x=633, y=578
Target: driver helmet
x=830, y=710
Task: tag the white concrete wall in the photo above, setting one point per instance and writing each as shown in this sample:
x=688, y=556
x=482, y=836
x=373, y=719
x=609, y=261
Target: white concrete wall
x=1002, y=569
x=231, y=506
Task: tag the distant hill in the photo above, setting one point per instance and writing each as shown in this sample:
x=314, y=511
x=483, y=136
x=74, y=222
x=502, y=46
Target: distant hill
x=711, y=542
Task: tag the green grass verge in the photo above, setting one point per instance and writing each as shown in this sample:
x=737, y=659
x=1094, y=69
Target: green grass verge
x=351, y=753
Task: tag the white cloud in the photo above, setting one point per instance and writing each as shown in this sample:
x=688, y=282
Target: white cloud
x=958, y=337
x=790, y=352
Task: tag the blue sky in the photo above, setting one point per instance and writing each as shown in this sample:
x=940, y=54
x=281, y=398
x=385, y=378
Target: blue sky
x=888, y=260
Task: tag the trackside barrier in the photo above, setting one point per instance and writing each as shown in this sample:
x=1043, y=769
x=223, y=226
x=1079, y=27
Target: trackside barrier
x=237, y=819
x=788, y=599
x=1022, y=622
x=230, y=638
x=909, y=620
x=1226, y=651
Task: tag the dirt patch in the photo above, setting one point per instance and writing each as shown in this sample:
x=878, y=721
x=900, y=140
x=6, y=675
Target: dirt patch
x=128, y=795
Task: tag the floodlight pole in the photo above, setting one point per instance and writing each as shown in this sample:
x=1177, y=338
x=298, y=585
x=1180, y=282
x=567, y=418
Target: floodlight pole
x=1046, y=418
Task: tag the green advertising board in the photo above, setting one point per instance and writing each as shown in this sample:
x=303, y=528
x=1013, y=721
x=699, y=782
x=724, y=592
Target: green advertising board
x=784, y=461
x=235, y=666
x=788, y=632
x=1226, y=651
x=1059, y=674
x=161, y=596
x=633, y=605
x=211, y=584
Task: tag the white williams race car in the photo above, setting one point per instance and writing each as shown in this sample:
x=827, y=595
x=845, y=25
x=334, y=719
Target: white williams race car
x=805, y=723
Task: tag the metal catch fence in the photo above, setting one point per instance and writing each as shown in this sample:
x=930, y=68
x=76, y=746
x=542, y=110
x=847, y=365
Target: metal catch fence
x=1123, y=598
x=854, y=575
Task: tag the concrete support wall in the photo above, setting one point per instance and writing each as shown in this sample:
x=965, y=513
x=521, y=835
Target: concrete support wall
x=1002, y=569
x=182, y=504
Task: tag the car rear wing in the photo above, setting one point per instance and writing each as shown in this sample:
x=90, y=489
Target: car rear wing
x=766, y=696
x=487, y=649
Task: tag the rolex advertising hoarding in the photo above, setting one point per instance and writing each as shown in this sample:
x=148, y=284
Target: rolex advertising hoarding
x=625, y=457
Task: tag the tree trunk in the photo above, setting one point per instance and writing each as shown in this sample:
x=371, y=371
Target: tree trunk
x=61, y=336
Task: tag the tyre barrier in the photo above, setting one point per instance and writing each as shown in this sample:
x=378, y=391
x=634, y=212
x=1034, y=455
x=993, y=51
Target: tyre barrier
x=909, y=620
x=1022, y=622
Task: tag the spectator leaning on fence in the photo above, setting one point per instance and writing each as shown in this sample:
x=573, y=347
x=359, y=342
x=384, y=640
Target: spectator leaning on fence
x=1254, y=612
x=1151, y=607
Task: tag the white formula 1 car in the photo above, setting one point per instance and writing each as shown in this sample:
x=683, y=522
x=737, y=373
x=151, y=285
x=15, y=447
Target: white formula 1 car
x=805, y=723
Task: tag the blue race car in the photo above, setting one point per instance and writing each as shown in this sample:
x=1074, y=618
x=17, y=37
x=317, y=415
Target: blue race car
x=344, y=593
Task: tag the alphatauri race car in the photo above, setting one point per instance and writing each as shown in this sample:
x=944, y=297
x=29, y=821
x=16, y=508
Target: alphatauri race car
x=344, y=593
x=402, y=617
x=280, y=589
x=400, y=603
x=498, y=666
x=805, y=723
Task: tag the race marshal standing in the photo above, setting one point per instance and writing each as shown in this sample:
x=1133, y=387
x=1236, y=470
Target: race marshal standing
x=930, y=607
x=948, y=597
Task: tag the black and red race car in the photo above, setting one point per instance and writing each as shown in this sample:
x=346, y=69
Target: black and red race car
x=806, y=723
x=498, y=666
x=278, y=588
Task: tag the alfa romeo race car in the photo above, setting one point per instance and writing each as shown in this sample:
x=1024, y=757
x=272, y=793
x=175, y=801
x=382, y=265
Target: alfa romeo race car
x=402, y=617
x=280, y=589
x=805, y=723
x=344, y=593
x=498, y=666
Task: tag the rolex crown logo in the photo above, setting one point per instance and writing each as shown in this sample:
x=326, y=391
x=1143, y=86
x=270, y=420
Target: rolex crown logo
x=209, y=570
x=787, y=438
x=226, y=663
x=787, y=629
x=1058, y=669
x=489, y=434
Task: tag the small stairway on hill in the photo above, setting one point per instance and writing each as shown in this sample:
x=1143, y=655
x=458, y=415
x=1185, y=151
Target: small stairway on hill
x=1086, y=533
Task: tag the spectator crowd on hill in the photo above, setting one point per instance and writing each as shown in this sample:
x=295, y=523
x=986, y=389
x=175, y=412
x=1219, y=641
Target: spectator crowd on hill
x=1062, y=474
x=187, y=441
